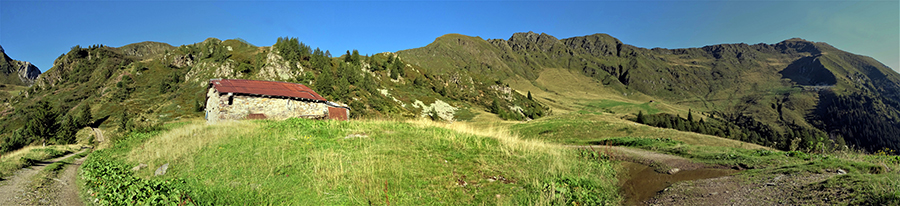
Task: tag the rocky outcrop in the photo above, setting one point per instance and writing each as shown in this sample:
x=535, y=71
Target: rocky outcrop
x=27, y=72
x=183, y=60
x=277, y=68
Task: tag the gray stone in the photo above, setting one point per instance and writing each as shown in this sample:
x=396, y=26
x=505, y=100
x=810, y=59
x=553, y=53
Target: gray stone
x=350, y=136
x=161, y=170
x=139, y=167
x=673, y=171
x=841, y=171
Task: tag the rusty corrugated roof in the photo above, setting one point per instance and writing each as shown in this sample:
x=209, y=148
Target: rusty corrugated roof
x=268, y=88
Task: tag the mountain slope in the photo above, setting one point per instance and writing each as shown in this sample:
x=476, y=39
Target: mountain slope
x=140, y=86
x=775, y=93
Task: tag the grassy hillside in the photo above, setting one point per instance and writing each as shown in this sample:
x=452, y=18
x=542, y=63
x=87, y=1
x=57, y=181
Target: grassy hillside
x=356, y=162
x=765, y=92
x=140, y=86
x=424, y=162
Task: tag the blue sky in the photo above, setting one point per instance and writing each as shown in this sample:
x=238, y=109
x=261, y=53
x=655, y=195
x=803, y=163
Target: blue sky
x=39, y=31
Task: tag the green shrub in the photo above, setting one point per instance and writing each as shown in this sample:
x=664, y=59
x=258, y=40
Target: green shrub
x=113, y=183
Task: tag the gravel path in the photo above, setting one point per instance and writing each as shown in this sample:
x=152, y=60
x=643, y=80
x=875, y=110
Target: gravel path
x=736, y=190
x=16, y=190
x=98, y=134
x=67, y=191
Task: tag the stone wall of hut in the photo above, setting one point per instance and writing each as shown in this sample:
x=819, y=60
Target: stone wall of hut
x=236, y=107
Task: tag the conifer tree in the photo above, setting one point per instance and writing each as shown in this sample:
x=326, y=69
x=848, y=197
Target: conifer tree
x=42, y=122
x=84, y=116
x=640, y=116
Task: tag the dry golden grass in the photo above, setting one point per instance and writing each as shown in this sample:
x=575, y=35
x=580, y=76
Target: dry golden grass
x=184, y=141
x=511, y=143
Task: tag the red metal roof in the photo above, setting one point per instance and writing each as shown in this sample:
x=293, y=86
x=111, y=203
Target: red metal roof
x=269, y=88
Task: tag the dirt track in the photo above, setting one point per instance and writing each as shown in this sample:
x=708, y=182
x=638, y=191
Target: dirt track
x=18, y=189
x=98, y=134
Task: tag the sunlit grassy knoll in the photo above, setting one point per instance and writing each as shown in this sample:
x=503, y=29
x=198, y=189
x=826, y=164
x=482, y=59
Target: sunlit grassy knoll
x=582, y=129
x=369, y=162
x=11, y=90
x=564, y=91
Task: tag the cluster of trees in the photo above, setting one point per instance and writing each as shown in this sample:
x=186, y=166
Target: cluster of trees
x=868, y=122
x=748, y=130
x=207, y=50
x=292, y=49
x=48, y=125
x=392, y=65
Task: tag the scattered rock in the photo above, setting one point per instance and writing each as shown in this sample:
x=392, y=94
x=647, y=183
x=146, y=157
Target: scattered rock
x=841, y=171
x=673, y=171
x=139, y=167
x=161, y=170
x=778, y=177
x=349, y=136
x=461, y=183
x=498, y=178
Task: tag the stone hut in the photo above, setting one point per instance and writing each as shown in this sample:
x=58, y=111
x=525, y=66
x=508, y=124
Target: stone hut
x=237, y=99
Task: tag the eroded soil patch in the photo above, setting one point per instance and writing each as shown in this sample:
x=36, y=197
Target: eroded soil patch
x=642, y=182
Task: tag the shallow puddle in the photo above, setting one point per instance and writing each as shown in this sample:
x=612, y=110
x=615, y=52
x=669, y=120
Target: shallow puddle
x=642, y=182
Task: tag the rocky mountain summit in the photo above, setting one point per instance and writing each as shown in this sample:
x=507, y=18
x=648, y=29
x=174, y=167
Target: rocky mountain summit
x=17, y=72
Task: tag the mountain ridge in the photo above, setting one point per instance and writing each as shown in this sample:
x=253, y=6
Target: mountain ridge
x=734, y=82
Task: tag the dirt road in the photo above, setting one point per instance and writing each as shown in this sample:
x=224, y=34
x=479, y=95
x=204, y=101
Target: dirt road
x=98, y=134
x=19, y=188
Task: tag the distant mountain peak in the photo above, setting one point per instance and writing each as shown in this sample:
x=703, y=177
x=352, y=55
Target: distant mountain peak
x=17, y=72
x=796, y=39
x=530, y=36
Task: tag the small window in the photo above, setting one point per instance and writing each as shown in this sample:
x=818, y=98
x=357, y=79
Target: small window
x=230, y=100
